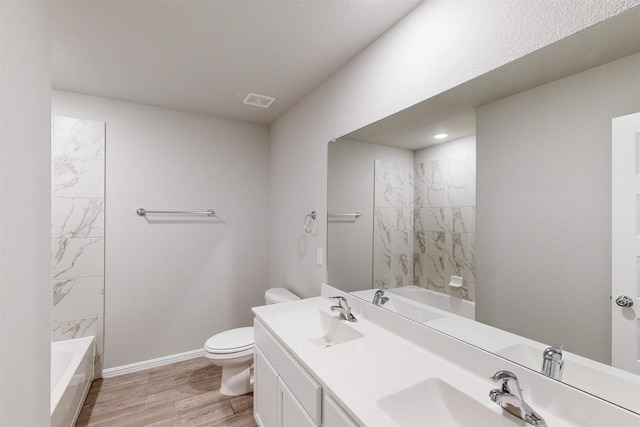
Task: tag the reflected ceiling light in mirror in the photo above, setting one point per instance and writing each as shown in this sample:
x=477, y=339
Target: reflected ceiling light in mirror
x=440, y=136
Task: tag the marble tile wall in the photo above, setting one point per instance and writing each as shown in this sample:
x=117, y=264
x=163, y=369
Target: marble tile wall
x=393, y=224
x=444, y=226
x=77, y=230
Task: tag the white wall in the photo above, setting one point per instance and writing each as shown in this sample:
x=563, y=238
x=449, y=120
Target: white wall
x=172, y=282
x=25, y=298
x=544, y=207
x=351, y=184
x=439, y=45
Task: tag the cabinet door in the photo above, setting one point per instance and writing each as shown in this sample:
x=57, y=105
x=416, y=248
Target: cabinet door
x=265, y=396
x=306, y=389
x=333, y=415
x=293, y=413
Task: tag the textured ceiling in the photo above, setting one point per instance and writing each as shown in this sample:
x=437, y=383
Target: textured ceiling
x=453, y=111
x=206, y=56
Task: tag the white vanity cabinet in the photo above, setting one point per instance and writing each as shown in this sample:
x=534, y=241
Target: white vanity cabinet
x=265, y=391
x=333, y=415
x=285, y=394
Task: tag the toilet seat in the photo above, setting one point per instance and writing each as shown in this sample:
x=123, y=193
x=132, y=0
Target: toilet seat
x=233, y=351
x=231, y=342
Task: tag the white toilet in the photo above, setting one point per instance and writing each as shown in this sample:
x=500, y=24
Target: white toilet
x=233, y=350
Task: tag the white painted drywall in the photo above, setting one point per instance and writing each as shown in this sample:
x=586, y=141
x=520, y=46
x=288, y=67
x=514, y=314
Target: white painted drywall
x=25, y=214
x=439, y=45
x=171, y=284
x=544, y=207
x=351, y=183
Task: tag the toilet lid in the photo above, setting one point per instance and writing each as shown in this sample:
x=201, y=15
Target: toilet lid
x=231, y=341
x=278, y=295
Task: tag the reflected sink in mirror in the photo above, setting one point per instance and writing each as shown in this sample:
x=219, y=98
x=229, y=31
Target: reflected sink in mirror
x=420, y=228
x=407, y=308
x=438, y=300
x=611, y=383
x=319, y=328
x=441, y=404
x=418, y=314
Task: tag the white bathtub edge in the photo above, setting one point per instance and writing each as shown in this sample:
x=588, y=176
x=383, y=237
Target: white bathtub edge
x=83, y=344
x=152, y=363
x=70, y=390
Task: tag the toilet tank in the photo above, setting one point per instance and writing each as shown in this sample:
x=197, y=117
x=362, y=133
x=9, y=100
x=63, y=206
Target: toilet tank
x=278, y=295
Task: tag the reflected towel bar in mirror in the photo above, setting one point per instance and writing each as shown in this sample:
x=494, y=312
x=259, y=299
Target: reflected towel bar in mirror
x=354, y=215
x=144, y=212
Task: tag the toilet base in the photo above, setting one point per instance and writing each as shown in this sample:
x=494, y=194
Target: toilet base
x=236, y=380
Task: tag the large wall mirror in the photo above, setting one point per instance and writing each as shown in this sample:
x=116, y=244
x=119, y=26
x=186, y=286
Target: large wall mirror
x=500, y=233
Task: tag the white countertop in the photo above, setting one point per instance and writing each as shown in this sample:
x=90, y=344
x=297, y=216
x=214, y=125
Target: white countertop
x=361, y=372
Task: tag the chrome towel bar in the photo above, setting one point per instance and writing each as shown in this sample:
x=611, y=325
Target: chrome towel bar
x=355, y=215
x=143, y=212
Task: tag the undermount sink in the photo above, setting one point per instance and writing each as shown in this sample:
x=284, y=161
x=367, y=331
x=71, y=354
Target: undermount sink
x=319, y=328
x=442, y=405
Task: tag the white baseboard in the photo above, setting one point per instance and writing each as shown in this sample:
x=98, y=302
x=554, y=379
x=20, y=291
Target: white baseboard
x=153, y=363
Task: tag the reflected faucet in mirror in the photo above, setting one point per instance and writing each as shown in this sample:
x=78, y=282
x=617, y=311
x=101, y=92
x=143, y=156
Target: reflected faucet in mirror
x=419, y=223
x=379, y=299
x=552, y=363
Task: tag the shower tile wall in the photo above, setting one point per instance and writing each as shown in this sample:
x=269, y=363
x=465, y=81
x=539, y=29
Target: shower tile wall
x=393, y=224
x=444, y=235
x=77, y=230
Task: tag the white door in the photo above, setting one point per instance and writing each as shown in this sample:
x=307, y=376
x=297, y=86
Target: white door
x=625, y=250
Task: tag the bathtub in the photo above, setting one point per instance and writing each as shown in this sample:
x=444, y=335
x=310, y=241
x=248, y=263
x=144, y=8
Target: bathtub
x=71, y=376
x=445, y=302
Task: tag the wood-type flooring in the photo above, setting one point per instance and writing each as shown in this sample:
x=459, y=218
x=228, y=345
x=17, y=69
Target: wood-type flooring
x=181, y=394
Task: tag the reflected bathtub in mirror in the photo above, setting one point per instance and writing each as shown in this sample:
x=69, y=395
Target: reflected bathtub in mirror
x=543, y=137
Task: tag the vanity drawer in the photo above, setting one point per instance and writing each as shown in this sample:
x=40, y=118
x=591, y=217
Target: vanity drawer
x=306, y=390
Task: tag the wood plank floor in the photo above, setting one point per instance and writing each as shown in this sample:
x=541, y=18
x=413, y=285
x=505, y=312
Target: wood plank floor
x=181, y=394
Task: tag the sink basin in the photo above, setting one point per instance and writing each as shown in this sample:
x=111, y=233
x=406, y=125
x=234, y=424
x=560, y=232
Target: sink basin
x=398, y=304
x=610, y=383
x=440, y=404
x=319, y=328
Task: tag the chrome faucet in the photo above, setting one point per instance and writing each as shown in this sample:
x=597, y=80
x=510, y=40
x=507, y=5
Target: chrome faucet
x=379, y=298
x=343, y=308
x=552, y=363
x=509, y=396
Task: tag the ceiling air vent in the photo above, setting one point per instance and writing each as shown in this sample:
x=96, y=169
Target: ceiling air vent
x=258, y=100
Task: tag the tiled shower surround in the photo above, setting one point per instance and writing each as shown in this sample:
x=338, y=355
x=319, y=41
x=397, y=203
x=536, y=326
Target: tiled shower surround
x=425, y=220
x=77, y=230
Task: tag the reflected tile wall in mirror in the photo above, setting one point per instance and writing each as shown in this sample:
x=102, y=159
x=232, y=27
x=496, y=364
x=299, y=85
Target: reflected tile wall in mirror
x=393, y=224
x=444, y=226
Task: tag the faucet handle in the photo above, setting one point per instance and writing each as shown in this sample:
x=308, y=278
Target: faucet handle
x=554, y=352
x=510, y=382
x=504, y=375
x=340, y=300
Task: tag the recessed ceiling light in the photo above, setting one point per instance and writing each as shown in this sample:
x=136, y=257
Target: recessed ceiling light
x=257, y=100
x=440, y=135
